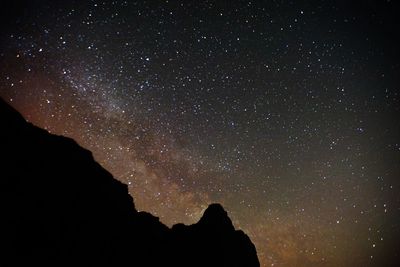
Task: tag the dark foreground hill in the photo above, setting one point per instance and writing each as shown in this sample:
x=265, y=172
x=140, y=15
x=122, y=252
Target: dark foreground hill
x=61, y=208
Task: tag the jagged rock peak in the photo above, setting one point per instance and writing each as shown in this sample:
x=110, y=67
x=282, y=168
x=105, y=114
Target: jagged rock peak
x=215, y=216
x=61, y=208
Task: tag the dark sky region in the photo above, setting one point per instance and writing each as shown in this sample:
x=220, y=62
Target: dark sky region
x=286, y=112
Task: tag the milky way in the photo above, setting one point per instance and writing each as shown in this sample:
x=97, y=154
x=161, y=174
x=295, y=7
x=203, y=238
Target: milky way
x=286, y=113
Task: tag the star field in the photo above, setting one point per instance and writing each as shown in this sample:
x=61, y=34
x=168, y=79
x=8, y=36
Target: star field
x=284, y=112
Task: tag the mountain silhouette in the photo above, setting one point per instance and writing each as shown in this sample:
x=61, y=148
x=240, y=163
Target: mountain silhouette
x=59, y=207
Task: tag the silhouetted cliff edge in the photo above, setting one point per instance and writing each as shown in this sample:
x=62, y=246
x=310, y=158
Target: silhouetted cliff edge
x=61, y=208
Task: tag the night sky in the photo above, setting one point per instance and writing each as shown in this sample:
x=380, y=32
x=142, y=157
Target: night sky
x=286, y=112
